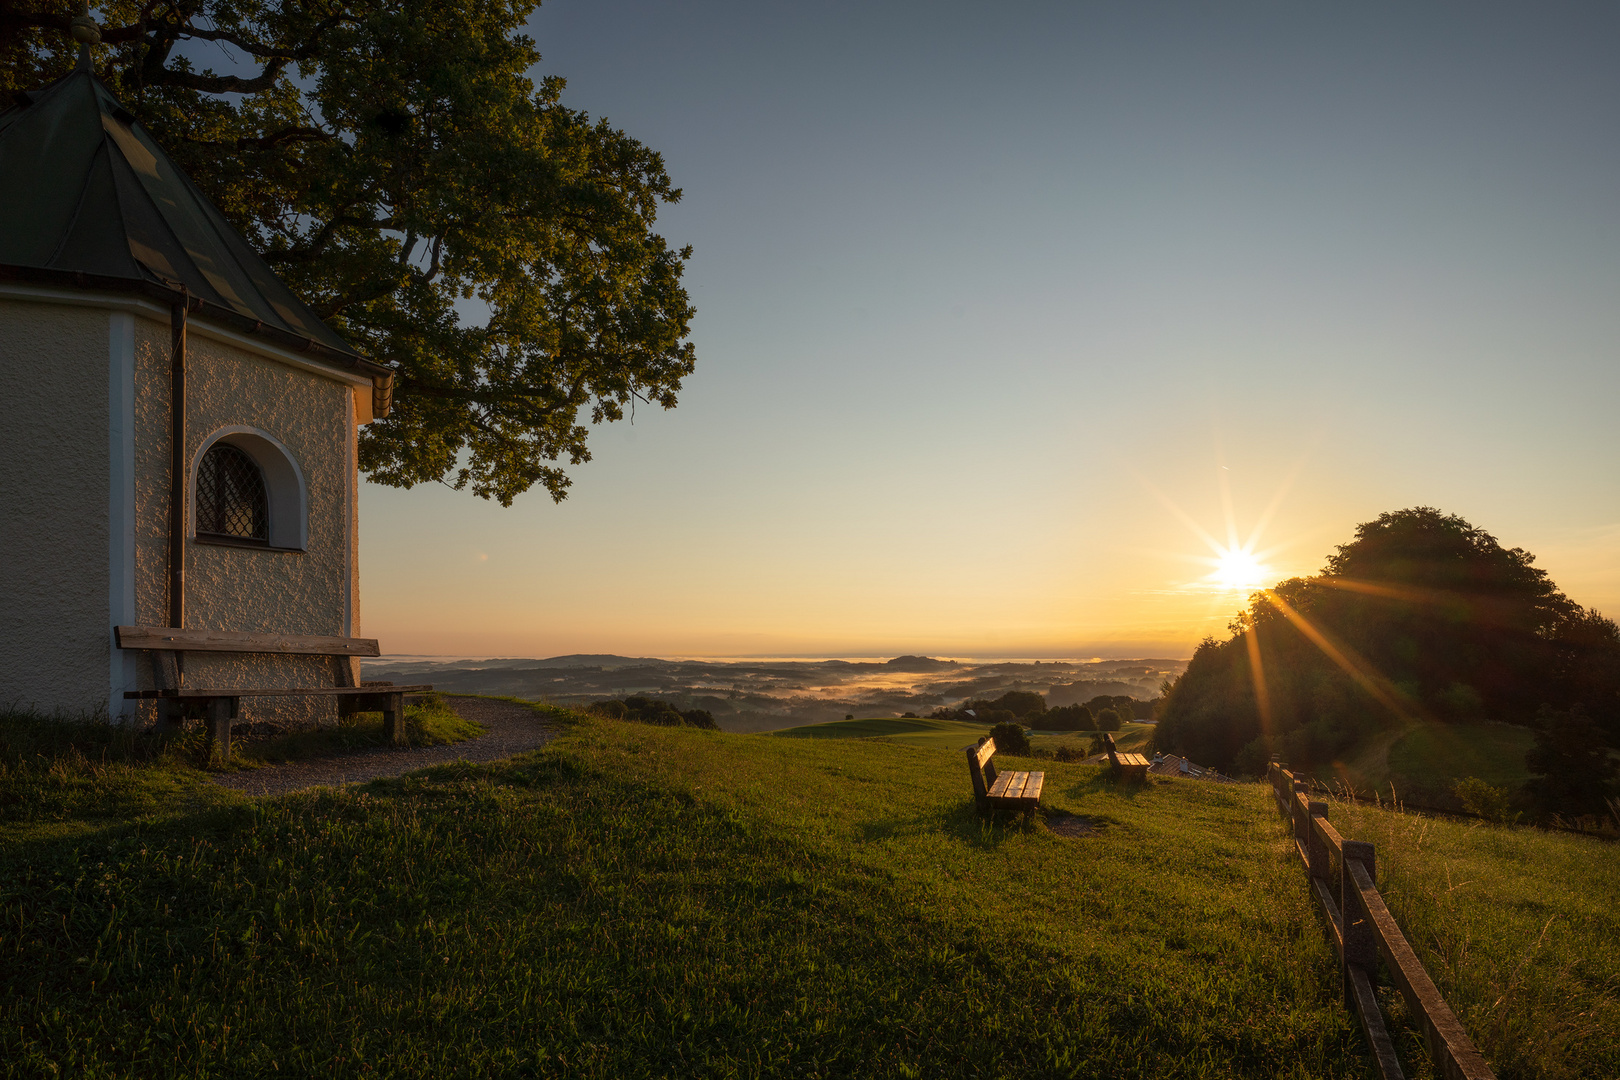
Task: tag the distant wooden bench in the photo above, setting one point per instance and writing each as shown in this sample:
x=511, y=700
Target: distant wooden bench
x=1001, y=791
x=1130, y=766
x=221, y=705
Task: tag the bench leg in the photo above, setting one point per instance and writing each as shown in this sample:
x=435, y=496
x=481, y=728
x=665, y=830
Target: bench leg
x=170, y=716
x=394, y=719
x=220, y=712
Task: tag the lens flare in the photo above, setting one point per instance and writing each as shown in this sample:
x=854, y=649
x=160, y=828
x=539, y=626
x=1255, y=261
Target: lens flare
x=1240, y=570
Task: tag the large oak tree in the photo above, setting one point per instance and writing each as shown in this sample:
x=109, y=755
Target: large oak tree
x=394, y=162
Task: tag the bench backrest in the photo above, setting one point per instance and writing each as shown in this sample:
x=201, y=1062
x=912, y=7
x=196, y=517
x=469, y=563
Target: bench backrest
x=175, y=640
x=1113, y=755
x=981, y=768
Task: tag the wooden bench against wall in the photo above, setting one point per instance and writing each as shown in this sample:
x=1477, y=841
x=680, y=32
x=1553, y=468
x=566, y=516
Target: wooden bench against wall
x=220, y=705
x=1001, y=791
x=1130, y=766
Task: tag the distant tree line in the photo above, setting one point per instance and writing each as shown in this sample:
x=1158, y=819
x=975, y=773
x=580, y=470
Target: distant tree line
x=1027, y=708
x=1422, y=616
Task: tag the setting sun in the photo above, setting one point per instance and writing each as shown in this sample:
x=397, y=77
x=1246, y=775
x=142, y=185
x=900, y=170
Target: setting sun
x=1237, y=568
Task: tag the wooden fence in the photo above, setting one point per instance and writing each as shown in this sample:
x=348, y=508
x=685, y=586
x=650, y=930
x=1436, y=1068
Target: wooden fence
x=1343, y=875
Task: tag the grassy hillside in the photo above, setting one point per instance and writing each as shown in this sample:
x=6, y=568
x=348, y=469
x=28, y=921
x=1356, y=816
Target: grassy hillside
x=1424, y=759
x=640, y=901
x=950, y=734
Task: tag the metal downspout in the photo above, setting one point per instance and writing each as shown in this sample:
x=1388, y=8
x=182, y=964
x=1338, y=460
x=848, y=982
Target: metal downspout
x=177, y=464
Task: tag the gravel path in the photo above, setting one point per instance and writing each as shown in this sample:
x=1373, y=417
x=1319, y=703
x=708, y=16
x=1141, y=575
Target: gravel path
x=512, y=729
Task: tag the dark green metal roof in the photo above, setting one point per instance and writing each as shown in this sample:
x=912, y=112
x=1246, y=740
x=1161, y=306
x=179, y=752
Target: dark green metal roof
x=87, y=197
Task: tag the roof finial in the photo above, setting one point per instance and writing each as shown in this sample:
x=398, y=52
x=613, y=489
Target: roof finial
x=86, y=33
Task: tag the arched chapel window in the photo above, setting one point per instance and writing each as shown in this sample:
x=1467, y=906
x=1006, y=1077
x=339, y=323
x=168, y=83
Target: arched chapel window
x=231, y=496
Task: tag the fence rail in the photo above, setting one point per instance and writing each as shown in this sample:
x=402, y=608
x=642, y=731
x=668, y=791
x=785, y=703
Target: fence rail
x=1343, y=876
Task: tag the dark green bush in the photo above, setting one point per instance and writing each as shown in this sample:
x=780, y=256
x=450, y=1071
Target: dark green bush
x=645, y=710
x=1010, y=738
x=1574, y=771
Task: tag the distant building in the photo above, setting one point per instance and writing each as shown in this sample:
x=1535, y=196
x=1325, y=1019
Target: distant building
x=1171, y=765
x=179, y=447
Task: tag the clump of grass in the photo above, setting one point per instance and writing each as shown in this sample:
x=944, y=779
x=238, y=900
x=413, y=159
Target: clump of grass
x=61, y=776
x=429, y=721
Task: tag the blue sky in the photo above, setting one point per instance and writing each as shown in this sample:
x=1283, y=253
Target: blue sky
x=994, y=301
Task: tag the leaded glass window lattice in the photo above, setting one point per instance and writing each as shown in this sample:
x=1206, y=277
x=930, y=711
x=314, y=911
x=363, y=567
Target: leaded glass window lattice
x=231, y=497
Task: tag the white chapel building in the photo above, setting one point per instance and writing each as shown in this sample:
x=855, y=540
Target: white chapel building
x=178, y=447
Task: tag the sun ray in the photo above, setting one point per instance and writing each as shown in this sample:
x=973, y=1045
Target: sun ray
x=1257, y=672
x=1276, y=500
x=1385, y=692
x=1184, y=517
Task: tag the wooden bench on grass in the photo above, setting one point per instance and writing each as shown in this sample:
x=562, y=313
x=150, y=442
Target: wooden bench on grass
x=221, y=705
x=1131, y=766
x=1001, y=791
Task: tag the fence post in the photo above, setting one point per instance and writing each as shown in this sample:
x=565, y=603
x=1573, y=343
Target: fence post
x=1302, y=827
x=1360, y=942
x=1315, y=846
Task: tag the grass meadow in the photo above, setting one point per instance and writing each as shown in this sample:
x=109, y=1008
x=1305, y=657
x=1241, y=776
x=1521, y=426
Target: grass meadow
x=641, y=901
x=1426, y=757
x=952, y=734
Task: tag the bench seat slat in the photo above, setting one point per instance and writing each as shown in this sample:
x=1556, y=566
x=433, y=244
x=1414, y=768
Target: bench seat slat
x=232, y=691
x=181, y=640
x=1017, y=789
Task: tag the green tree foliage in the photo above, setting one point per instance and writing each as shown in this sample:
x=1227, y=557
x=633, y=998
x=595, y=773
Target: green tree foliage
x=1108, y=720
x=1010, y=738
x=1127, y=707
x=392, y=159
x=645, y=710
x=1021, y=703
x=1573, y=770
x=1422, y=615
x=1063, y=718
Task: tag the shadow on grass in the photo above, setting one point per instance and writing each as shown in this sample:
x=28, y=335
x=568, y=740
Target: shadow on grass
x=1104, y=782
x=966, y=824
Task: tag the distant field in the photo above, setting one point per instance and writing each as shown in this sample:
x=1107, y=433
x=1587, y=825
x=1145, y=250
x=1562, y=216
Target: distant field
x=636, y=901
x=951, y=734
x=945, y=734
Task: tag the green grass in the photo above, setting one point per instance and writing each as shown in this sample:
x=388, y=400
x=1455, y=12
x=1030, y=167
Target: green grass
x=1131, y=737
x=1442, y=753
x=950, y=734
x=644, y=901
x=429, y=721
x=940, y=734
x=1426, y=758
x=65, y=780
x=1518, y=927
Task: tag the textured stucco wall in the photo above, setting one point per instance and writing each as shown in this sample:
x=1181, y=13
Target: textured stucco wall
x=54, y=476
x=233, y=588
